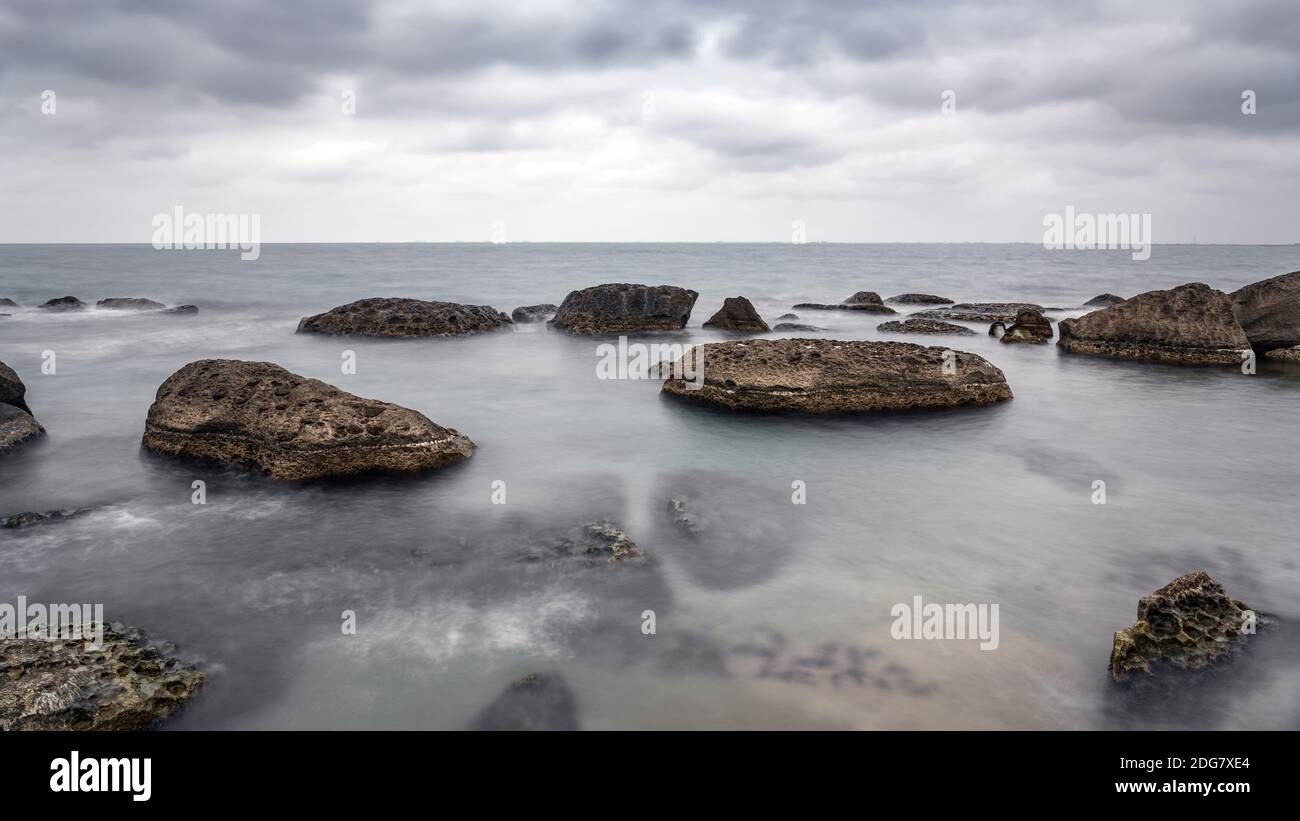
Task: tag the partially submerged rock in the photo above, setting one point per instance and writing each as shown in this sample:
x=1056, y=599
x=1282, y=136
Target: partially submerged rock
x=397, y=317
x=1192, y=324
x=538, y=701
x=6, y=302
x=61, y=684
x=182, y=310
x=533, y=313
x=1030, y=326
x=788, y=316
x=867, y=301
x=919, y=299
x=31, y=517
x=64, y=303
x=915, y=325
x=621, y=307
x=1269, y=312
x=16, y=426
x=826, y=376
x=12, y=390
x=604, y=538
x=797, y=326
x=1103, y=301
x=737, y=314
x=130, y=303
x=979, y=311
x=289, y=426
x=1284, y=354
x=1188, y=624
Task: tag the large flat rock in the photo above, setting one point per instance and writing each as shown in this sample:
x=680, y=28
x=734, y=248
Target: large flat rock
x=621, y=307
x=399, y=317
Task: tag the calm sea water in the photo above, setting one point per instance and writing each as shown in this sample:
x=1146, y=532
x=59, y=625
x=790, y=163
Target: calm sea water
x=781, y=620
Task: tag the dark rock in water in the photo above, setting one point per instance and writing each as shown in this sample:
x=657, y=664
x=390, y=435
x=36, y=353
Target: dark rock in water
x=533, y=313
x=16, y=426
x=866, y=301
x=1192, y=324
x=30, y=518
x=61, y=684
x=537, y=701
x=864, y=298
x=919, y=299
x=395, y=317
x=289, y=426
x=130, y=303
x=737, y=314
x=827, y=376
x=183, y=310
x=619, y=307
x=913, y=325
x=12, y=389
x=603, y=538
x=788, y=316
x=65, y=303
x=1284, y=354
x=5, y=302
x=1103, y=301
x=795, y=326
x=1188, y=624
x=979, y=311
x=1031, y=326
x=1269, y=311
x=681, y=517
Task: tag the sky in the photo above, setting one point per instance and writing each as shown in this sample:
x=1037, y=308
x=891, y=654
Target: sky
x=649, y=120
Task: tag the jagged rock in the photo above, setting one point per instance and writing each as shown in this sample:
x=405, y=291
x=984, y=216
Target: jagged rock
x=289, y=426
x=827, y=376
x=396, y=317
x=183, y=310
x=1103, y=301
x=12, y=389
x=796, y=326
x=537, y=701
x=681, y=517
x=130, y=303
x=16, y=426
x=919, y=299
x=30, y=518
x=914, y=325
x=1188, y=624
x=1284, y=354
x=60, y=684
x=979, y=311
x=737, y=314
x=1030, y=326
x=619, y=307
x=533, y=313
x=64, y=303
x=1192, y=324
x=603, y=538
x=1269, y=311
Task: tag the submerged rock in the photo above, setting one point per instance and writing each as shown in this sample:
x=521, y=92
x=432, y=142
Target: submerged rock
x=1188, y=624
x=533, y=313
x=12, y=390
x=826, y=376
x=913, y=325
x=867, y=301
x=30, y=518
x=797, y=326
x=537, y=701
x=788, y=316
x=130, y=303
x=64, y=303
x=1103, y=301
x=864, y=298
x=737, y=314
x=1269, y=312
x=289, y=426
x=618, y=307
x=980, y=311
x=1030, y=326
x=1192, y=324
x=603, y=538
x=16, y=426
x=397, y=317
x=61, y=684
x=183, y=310
x=919, y=299
x=5, y=302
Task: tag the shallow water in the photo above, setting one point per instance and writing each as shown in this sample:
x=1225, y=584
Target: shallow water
x=782, y=621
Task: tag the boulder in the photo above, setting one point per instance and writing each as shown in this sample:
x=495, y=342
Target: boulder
x=1269, y=312
x=5, y=302
x=621, y=307
x=737, y=314
x=919, y=299
x=130, y=303
x=537, y=701
x=1192, y=324
x=1103, y=301
x=12, y=389
x=61, y=684
x=396, y=317
x=913, y=325
x=864, y=298
x=533, y=313
x=289, y=426
x=827, y=376
x=1030, y=326
x=979, y=311
x=64, y=303
x=183, y=310
x=1188, y=624
x=16, y=426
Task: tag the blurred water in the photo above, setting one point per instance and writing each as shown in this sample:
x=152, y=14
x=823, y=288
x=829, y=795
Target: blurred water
x=783, y=622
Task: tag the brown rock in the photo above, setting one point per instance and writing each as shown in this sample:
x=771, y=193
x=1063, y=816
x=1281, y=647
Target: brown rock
x=1030, y=326
x=396, y=317
x=826, y=376
x=737, y=314
x=12, y=389
x=919, y=299
x=913, y=325
x=620, y=307
x=16, y=426
x=1269, y=312
x=1192, y=324
x=979, y=311
x=289, y=426
x=1284, y=354
x=1103, y=301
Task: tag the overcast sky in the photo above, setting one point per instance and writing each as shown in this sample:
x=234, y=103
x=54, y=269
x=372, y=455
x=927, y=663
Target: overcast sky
x=649, y=120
